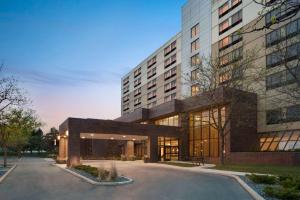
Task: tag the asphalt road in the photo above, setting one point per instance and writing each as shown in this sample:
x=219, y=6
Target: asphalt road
x=36, y=178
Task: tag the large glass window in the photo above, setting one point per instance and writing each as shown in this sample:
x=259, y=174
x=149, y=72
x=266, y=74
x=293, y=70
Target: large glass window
x=280, y=141
x=169, y=121
x=203, y=133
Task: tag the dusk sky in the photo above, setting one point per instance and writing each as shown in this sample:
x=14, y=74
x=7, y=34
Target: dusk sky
x=70, y=55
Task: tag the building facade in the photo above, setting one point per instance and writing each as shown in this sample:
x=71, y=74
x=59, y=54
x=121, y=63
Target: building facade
x=165, y=115
x=155, y=80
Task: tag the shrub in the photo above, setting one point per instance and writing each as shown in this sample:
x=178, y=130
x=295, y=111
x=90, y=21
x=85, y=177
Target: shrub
x=132, y=158
x=291, y=183
x=282, y=193
x=88, y=169
x=113, y=174
x=102, y=174
x=262, y=179
x=123, y=157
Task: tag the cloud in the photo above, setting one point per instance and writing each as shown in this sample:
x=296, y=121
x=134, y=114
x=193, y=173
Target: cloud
x=65, y=76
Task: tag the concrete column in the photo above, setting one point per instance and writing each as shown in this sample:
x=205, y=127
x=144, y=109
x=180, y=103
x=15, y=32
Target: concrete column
x=152, y=148
x=73, y=148
x=129, y=149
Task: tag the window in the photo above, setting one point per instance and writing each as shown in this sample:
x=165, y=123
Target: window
x=235, y=2
x=170, y=73
x=195, y=31
x=137, y=82
x=137, y=72
x=195, y=89
x=224, y=77
x=293, y=113
x=274, y=116
x=195, y=45
x=151, y=84
x=126, y=107
x=280, y=141
x=195, y=75
x=151, y=73
x=285, y=32
x=279, y=13
x=231, y=57
x=170, y=86
x=224, y=9
x=283, y=115
x=224, y=26
x=170, y=97
x=236, y=18
x=151, y=62
x=151, y=95
x=170, y=61
x=280, y=56
x=126, y=89
x=170, y=48
x=137, y=92
x=224, y=42
x=137, y=101
x=195, y=60
x=230, y=40
x=126, y=98
x=169, y=121
x=126, y=81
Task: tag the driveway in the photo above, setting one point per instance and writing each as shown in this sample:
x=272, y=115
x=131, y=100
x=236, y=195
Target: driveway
x=36, y=178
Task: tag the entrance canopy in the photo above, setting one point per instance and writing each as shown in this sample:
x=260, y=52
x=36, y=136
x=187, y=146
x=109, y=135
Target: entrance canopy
x=75, y=129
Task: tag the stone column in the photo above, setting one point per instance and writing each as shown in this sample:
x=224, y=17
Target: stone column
x=62, y=154
x=129, y=149
x=73, y=148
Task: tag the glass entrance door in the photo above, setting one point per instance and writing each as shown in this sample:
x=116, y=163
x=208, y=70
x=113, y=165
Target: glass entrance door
x=168, y=148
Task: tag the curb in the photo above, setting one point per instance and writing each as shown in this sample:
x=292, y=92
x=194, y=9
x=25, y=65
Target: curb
x=7, y=173
x=94, y=182
x=244, y=185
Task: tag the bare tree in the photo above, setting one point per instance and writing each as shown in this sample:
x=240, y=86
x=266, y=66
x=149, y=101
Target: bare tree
x=11, y=96
x=274, y=12
x=238, y=72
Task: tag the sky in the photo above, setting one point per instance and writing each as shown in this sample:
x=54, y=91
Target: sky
x=70, y=55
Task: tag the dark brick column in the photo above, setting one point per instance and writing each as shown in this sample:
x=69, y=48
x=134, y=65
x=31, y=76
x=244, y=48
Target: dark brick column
x=184, y=140
x=152, y=148
x=73, y=148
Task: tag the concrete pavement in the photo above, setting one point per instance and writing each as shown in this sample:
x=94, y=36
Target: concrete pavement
x=36, y=178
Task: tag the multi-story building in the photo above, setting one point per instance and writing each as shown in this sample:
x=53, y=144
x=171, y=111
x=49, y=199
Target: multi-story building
x=165, y=116
x=154, y=81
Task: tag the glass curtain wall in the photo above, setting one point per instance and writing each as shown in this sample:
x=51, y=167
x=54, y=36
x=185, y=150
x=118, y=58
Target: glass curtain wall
x=203, y=133
x=280, y=141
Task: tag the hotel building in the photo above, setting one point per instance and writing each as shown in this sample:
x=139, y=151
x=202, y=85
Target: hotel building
x=165, y=116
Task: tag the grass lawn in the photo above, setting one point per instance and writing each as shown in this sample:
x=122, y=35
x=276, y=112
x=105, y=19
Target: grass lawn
x=178, y=164
x=264, y=169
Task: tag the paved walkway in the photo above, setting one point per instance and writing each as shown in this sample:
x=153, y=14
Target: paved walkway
x=36, y=178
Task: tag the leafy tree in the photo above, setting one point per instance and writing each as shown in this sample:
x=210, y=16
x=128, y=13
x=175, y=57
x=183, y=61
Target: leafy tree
x=16, y=126
x=35, y=140
x=48, y=141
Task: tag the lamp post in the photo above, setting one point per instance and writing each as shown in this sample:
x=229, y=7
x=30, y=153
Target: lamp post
x=92, y=135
